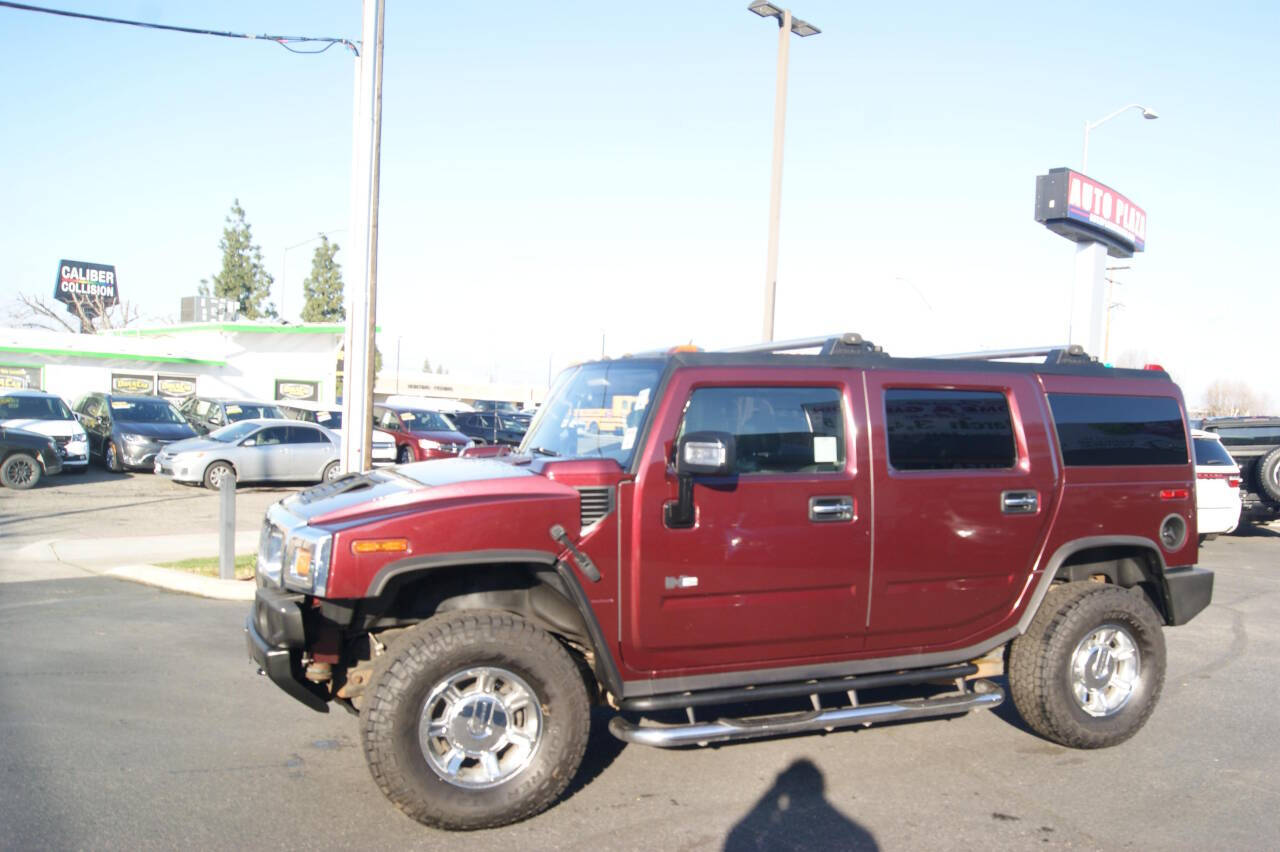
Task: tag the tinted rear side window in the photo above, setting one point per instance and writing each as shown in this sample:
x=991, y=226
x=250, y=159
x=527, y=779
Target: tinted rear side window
x=1246, y=436
x=948, y=429
x=1119, y=430
x=1209, y=451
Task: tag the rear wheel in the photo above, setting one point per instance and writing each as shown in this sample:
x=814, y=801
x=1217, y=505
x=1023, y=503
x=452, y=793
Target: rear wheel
x=331, y=471
x=20, y=471
x=474, y=720
x=1089, y=670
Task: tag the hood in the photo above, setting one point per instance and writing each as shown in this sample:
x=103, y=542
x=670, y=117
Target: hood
x=159, y=431
x=52, y=428
x=191, y=445
x=23, y=438
x=443, y=437
x=411, y=486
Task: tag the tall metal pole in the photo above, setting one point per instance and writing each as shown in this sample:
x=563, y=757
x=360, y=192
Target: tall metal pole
x=366, y=422
x=775, y=190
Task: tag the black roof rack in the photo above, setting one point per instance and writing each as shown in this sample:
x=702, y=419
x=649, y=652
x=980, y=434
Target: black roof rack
x=826, y=345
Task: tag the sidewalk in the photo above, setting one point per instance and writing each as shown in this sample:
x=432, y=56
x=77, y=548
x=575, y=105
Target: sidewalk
x=131, y=558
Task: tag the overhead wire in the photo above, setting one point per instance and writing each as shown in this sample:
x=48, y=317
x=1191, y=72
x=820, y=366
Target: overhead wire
x=283, y=41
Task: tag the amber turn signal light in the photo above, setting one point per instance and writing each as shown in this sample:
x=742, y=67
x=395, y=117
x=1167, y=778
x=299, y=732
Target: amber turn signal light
x=380, y=545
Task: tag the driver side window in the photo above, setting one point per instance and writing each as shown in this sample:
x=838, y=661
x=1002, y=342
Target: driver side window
x=776, y=430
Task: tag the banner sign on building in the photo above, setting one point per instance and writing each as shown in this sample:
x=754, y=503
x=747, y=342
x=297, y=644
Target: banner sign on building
x=1081, y=209
x=92, y=285
x=21, y=377
x=175, y=387
x=137, y=383
x=297, y=390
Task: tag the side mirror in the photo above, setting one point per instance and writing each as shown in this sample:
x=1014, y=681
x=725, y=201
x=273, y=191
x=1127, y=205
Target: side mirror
x=697, y=454
x=705, y=454
x=248, y=442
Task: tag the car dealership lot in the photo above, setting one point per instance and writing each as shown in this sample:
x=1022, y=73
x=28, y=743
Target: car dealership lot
x=133, y=717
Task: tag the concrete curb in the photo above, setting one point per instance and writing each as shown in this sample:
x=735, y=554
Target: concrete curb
x=184, y=582
x=95, y=553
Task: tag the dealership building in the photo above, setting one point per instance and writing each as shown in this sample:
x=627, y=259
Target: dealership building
x=254, y=360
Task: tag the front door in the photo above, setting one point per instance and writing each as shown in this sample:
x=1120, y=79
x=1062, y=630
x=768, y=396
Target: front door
x=775, y=564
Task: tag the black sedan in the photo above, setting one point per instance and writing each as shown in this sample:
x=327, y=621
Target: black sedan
x=25, y=457
x=492, y=428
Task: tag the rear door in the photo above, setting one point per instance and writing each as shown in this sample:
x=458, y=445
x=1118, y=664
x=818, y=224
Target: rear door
x=966, y=478
x=775, y=565
x=309, y=451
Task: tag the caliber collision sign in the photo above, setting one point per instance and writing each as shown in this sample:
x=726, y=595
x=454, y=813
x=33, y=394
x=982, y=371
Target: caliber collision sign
x=1081, y=209
x=92, y=285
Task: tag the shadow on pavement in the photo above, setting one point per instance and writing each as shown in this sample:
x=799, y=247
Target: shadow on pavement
x=795, y=814
x=1247, y=530
x=602, y=749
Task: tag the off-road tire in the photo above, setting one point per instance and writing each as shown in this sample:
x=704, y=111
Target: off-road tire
x=1267, y=470
x=404, y=456
x=1040, y=673
x=20, y=471
x=425, y=656
x=111, y=458
x=213, y=475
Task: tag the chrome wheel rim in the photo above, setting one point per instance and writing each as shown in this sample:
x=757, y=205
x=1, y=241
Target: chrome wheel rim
x=1106, y=670
x=216, y=476
x=20, y=471
x=111, y=455
x=480, y=727
x=331, y=473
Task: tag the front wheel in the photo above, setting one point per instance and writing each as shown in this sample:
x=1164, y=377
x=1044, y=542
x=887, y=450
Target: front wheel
x=20, y=471
x=404, y=456
x=474, y=720
x=111, y=458
x=215, y=473
x=1089, y=670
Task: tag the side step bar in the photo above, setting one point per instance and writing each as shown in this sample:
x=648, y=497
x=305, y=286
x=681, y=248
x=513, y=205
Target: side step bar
x=984, y=696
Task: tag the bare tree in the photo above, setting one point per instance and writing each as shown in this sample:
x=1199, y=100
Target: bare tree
x=1226, y=398
x=84, y=314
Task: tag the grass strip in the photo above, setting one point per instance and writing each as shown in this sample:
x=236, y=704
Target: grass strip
x=208, y=566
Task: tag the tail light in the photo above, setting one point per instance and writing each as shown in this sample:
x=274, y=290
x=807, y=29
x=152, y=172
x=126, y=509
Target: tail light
x=1233, y=479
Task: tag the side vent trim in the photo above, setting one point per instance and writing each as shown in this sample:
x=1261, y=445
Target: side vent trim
x=594, y=504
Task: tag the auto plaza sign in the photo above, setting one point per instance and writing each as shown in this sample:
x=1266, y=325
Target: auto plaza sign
x=91, y=285
x=1081, y=209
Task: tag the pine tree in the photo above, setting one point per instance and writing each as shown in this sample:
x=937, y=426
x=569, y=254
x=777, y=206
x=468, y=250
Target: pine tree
x=243, y=277
x=324, y=287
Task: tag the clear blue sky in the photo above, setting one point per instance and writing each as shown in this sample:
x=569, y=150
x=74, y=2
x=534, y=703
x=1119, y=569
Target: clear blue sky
x=558, y=173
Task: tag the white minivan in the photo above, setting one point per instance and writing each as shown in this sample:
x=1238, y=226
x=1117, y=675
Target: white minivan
x=1217, y=486
x=47, y=414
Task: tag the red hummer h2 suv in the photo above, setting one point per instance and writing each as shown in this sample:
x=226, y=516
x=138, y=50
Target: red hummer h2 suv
x=820, y=532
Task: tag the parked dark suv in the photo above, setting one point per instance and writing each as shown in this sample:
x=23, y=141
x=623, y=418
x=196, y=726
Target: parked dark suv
x=794, y=532
x=1254, y=443
x=26, y=458
x=492, y=427
x=126, y=431
x=207, y=413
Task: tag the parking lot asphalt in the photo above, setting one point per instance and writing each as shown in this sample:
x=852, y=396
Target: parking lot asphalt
x=131, y=717
x=98, y=504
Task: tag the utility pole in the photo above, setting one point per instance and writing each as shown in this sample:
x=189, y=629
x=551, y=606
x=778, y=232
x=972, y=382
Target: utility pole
x=358, y=373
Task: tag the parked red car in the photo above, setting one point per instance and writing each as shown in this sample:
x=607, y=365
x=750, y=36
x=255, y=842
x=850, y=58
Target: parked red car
x=420, y=434
x=832, y=539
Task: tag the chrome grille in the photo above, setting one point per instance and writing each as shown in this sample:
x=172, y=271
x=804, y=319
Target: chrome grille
x=594, y=504
x=270, y=551
x=63, y=440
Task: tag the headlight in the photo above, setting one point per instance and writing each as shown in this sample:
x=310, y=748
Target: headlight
x=429, y=445
x=130, y=438
x=306, y=560
x=80, y=436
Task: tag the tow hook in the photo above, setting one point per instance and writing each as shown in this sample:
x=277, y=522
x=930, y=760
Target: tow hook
x=585, y=565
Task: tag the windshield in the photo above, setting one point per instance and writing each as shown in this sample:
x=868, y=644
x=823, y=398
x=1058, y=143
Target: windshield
x=234, y=432
x=33, y=408
x=427, y=421
x=247, y=411
x=595, y=411
x=145, y=411
x=331, y=419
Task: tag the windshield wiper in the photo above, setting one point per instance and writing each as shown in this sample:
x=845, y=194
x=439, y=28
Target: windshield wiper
x=543, y=451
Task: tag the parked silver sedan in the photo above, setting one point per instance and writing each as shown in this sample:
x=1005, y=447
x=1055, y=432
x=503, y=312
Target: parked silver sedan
x=258, y=450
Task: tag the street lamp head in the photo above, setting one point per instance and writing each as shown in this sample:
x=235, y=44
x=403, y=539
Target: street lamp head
x=804, y=29
x=1149, y=113
x=765, y=9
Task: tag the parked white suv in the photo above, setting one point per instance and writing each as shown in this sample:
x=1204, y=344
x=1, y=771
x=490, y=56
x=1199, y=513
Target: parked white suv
x=1217, y=486
x=330, y=417
x=47, y=414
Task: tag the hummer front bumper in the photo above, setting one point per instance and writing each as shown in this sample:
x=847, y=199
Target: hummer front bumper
x=276, y=638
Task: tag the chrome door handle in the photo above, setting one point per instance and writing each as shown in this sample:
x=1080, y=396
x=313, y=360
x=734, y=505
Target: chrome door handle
x=1019, y=502
x=830, y=509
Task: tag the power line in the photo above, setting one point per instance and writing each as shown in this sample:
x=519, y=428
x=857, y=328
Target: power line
x=283, y=41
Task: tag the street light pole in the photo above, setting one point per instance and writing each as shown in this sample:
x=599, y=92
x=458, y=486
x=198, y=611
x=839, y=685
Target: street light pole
x=786, y=26
x=1147, y=113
